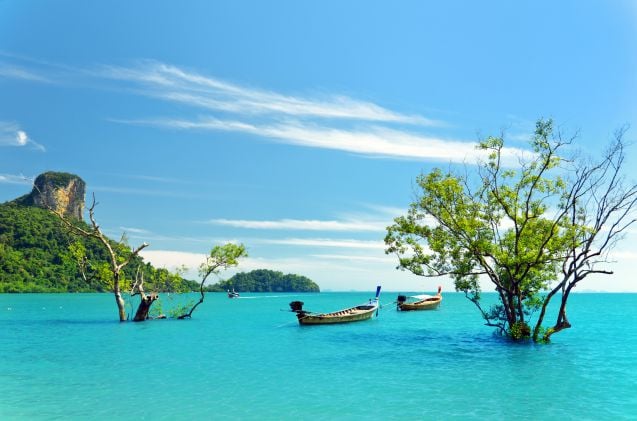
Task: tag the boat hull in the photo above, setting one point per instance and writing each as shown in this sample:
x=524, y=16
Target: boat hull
x=430, y=304
x=354, y=314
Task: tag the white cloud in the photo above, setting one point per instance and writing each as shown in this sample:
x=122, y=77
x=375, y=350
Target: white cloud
x=327, y=242
x=171, y=83
x=140, y=192
x=170, y=259
x=391, y=260
x=624, y=255
x=370, y=141
x=328, y=273
x=135, y=230
x=22, y=138
x=15, y=179
x=299, y=224
x=387, y=212
x=14, y=72
x=302, y=121
x=315, y=121
x=12, y=135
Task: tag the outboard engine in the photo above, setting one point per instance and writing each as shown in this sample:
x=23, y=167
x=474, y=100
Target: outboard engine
x=400, y=300
x=296, y=306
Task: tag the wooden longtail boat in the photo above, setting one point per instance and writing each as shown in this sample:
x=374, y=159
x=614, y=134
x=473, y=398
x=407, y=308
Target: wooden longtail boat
x=419, y=302
x=352, y=314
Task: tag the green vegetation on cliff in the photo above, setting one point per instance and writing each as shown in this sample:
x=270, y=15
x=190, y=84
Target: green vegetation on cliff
x=263, y=280
x=54, y=180
x=39, y=254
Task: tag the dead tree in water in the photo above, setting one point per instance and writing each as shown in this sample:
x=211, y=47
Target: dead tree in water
x=221, y=257
x=146, y=300
x=117, y=262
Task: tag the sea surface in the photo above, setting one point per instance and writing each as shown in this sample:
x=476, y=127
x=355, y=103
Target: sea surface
x=65, y=356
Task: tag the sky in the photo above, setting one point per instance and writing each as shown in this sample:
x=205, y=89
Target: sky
x=298, y=128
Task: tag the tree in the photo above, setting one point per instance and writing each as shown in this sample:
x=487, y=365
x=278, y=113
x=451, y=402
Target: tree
x=220, y=257
x=119, y=258
x=541, y=227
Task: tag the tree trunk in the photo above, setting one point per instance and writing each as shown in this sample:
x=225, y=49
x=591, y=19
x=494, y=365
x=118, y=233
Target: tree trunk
x=189, y=314
x=510, y=305
x=562, y=321
x=144, y=307
x=540, y=319
x=121, y=304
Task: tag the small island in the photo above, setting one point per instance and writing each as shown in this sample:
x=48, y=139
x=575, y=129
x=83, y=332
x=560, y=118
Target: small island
x=264, y=280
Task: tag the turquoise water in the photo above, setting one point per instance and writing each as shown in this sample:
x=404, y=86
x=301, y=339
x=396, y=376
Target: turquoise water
x=65, y=357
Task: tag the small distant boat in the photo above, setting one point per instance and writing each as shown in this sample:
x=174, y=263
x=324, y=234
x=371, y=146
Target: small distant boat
x=352, y=314
x=233, y=294
x=419, y=302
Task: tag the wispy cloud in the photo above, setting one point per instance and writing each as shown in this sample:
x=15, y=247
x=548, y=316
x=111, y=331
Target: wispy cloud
x=335, y=273
x=349, y=257
x=386, y=211
x=316, y=122
x=135, y=230
x=326, y=121
x=369, y=141
x=327, y=242
x=142, y=192
x=15, y=72
x=12, y=135
x=177, y=85
x=15, y=179
x=300, y=224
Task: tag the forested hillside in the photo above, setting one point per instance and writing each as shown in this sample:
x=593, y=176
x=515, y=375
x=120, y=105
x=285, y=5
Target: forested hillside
x=38, y=254
x=263, y=280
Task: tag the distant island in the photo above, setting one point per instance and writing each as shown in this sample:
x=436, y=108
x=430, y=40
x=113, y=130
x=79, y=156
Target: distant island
x=39, y=254
x=263, y=280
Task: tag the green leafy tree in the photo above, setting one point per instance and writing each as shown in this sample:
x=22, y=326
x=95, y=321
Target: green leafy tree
x=532, y=231
x=220, y=258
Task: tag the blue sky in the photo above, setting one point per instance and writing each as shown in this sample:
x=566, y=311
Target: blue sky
x=297, y=128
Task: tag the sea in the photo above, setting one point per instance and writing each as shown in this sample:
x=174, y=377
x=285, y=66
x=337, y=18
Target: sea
x=65, y=356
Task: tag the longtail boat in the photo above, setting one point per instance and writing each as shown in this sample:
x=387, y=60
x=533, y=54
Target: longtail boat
x=419, y=302
x=352, y=314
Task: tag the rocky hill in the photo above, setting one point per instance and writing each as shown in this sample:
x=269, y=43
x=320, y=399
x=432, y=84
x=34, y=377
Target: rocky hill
x=60, y=191
x=39, y=254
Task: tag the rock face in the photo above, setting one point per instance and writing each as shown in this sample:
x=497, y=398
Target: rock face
x=60, y=191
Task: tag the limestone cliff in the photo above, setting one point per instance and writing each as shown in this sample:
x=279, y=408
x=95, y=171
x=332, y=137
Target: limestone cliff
x=63, y=192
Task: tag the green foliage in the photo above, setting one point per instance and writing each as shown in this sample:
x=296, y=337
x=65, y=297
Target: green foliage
x=156, y=310
x=500, y=225
x=263, y=280
x=180, y=309
x=222, y=257
x=519, y=331
x=39, y=254
x=55, y=178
